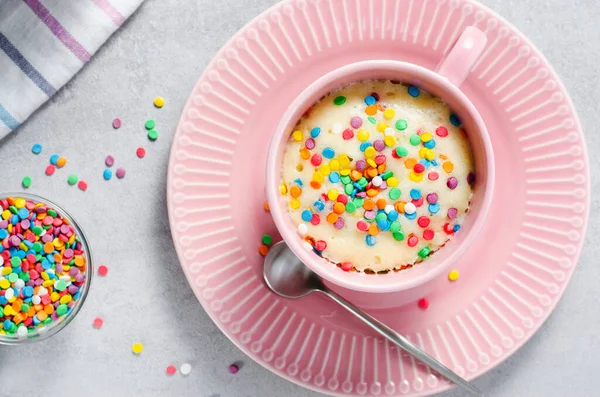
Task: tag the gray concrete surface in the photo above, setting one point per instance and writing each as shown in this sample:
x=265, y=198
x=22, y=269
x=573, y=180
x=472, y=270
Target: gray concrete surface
x=162, y=50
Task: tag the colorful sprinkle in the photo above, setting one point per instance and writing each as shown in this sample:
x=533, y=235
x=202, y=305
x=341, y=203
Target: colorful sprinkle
x=413, y=91
x=140, y=152
x=423, y=303
x=263, y=250
x=339, y=100
x=102, y=270
x=116, y=123
x=54, y=159
x=26, y=182
x=233, y=369
x=137, y=348
x=109, y=161
x=453, y=275
x=36, y=149
x=121, y=173
x=72, y=179
x=82, y=185
x=171, y=370
x=267, y=239
x=61, y=162
x=153, y=135
x=98, y=323
x=150, y=124
x=159, y=102
x=455, y=120
x=107, y=174
x=50, y=170
x=185, y=369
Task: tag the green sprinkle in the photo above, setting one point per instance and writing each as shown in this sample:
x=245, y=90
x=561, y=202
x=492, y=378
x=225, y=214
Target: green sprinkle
x=363, y=182
x=401, y=125
x=150, y=124
x=386, y=175
x=348, y=189
x=1, y=312
x=339, y=100
x=395, y=227
x=24, y=276
x=52, y=213
x=61, y=310
x=72, y=179
x=424, y=252
x=13, y=209
x=395, y=193
x=372, y=120
x=381, y=216
x=350, y=207
x=37, y=247
x=60, y=285
x=401, y=151
x=358, y=202
x=153, y=135
x=13, y=277
x=399, y=236
x=345, y=179
x=15, y=261
x=48, y=320
x=267, y=239
x=415, y=140
x=26, y=182
x=24, y=307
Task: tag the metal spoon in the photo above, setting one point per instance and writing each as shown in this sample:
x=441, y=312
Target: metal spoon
x=289, y=277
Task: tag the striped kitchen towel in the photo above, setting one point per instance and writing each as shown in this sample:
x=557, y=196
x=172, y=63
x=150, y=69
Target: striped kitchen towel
x=43, y=43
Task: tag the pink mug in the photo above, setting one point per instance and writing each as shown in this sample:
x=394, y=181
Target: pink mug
x=444, y=83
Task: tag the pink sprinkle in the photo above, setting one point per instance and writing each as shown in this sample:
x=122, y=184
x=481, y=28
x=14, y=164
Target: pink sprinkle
x=356, y=122
x=432, y=198
x=82, y=185
x=110, y=160
x=117, y=123
x=441, y=131
x=452, y=212
x=348, y=134
x=433, y=176
x=362, y=225
x=98, y=322
x=452, y=182
x=102, y=270
x=171, y=369
x=233, y=369
x=361, y=165
x=339, y=223
x=121, y=173
x=310, y=143
x=140, y=152
x=347, y=266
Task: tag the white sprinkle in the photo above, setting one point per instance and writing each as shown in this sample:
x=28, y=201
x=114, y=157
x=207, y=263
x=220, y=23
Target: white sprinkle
x=410, y=208
x=185, y=369
x=42, y=291
x=388, y=208
x=9, y=293
x=337, y=128
x=302, y=229
x=19, y=283
x=377, y=181
x=22, y=331
x=36, y=300
x=307, y=246
x=388, y=132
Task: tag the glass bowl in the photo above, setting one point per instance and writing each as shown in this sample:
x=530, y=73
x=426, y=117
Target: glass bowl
x=45, y=331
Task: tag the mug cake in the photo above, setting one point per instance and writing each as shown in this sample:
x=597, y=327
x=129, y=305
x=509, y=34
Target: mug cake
x=377, y=176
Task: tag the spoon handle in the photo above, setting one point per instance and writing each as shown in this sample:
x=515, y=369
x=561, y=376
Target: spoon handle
x=402, y=342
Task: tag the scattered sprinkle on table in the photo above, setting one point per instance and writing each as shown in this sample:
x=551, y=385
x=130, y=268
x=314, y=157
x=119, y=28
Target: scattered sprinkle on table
x=267, y=239
x=54, y=159
x=185, y=369
x=50, y=170
x=72, y=179
x=137, y=348
x=171, y=369
x=109, y=161
x=233, y=369
x=116, y=123
x=26, y=182
x=150, y=124
x=36, y=149
x=121, y=173
x=140, y=152
x=159, y=102
x=453, y=275
x=61, y=162
x=102, y=270
x=263, y=250
x=423, y=303
x=98, y=323
x=153, y=135
x=47, y=268
x=266, y=206
x=107, y=174
x=82, y=185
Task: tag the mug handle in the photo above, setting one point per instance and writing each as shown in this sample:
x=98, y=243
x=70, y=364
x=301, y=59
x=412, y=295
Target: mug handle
x=457, y=65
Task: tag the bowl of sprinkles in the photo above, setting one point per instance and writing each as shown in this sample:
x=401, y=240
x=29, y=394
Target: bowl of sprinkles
x=45, y=268
x=380, y=176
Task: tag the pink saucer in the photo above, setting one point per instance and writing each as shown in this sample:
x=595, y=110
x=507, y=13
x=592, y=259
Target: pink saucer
x=510, y=280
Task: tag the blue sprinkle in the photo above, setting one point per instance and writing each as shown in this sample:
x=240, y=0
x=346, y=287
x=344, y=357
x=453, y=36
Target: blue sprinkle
x=36, y=149
x=319, y=205
x=353, y=193
x=299, y=182
x=435, y=163
x=456, y=228
x=334, y=177
x=306, y=216
x=315, y=132
x=8, y=324
x=3, y=300
x=411, y=216
x=54, y=159
x=383, y=224
x=364, y=146
x=15, y=219
x=455, y=120
x=357, y=186
x=46, y=264
x=370, y=100
x=393, y=215
x=413, y=91
x=425, y=162
x=23, y=213
x=429, y=144
x=107, y=174
x=434, y=208
x=28, y=291
x=328, y=153
x=3, y=234
x=371, y=240
x=415, y=194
